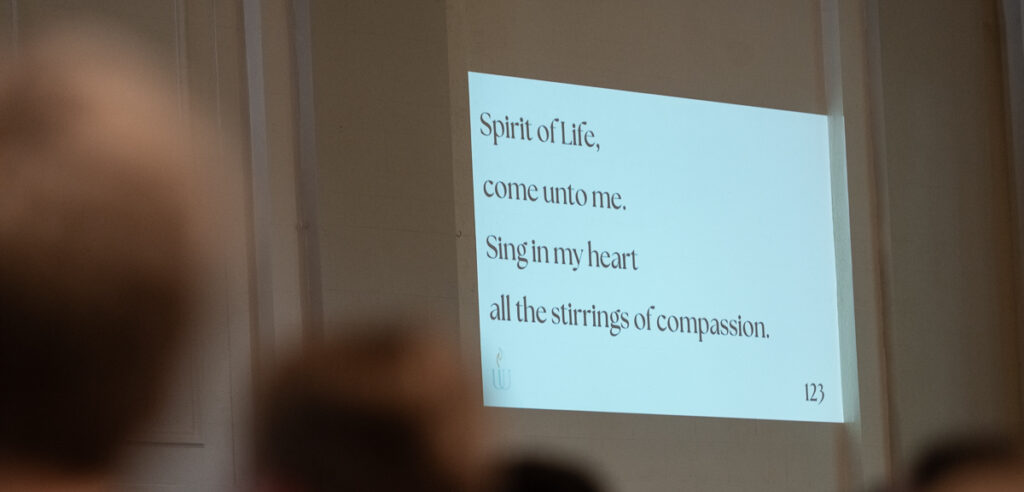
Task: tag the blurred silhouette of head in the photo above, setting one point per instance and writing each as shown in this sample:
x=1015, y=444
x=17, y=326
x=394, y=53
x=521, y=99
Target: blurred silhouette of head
x=96, y=251
x=385, y=408
x=972, y=464
x=539, y=475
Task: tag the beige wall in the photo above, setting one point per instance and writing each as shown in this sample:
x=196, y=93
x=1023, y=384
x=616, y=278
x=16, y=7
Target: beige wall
x=384, y=153
x=950, y=289
x=740, y=51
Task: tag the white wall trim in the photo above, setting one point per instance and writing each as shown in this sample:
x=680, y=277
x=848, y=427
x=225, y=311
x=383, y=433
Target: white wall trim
x=261, y=261
x=307, y=179
x=850, y=51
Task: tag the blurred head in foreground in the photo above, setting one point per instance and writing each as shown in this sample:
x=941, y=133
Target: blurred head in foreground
x=544, y=475
x=970, y=465
x=96, y=254
x=383, y=409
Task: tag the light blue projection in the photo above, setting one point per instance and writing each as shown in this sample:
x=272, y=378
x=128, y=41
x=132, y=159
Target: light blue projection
x=650, y=254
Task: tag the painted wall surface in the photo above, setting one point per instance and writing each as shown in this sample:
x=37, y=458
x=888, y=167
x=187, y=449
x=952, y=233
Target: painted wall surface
x=950, y=289
x=383, y=147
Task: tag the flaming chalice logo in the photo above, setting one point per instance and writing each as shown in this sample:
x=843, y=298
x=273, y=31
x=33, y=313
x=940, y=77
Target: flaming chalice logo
x=501, y=379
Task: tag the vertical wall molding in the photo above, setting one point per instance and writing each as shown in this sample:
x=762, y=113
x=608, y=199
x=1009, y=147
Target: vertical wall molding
x=876, y=120
x=14, y=25
x=307, y=179
x=849, y=51
x=181, y=55
x=1013, y=49
x=261, y=260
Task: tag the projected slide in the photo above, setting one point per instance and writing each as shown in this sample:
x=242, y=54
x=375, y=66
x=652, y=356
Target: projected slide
x=650, y=254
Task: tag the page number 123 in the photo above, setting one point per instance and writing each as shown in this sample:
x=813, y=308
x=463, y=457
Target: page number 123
x=814, y=392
